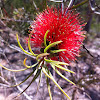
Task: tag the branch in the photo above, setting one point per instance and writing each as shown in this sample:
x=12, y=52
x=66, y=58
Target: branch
x=35, y=6
x=62, y=6
x=79, y=4
x=91, y=3
x=22, y=90
x=87, y=51
x=12, y=19
x=69, y=5
x=57, y=1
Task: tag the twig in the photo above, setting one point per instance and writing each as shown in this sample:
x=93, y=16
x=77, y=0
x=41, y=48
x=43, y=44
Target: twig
x=18, y=49
x=91, y=3
x=84, y=92
x=87, y=51
x=35, y=6
x=4, y=85
x=69, y=5
x=12, y=19
x=79, y=4
x=62, y=6
x=56, y=1
x=2, y=23
x=4, y=81
x=28, y=98
x=77, y=87
x=73, y=94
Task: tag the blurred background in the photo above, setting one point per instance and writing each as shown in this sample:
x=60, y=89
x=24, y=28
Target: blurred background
x=15, y=17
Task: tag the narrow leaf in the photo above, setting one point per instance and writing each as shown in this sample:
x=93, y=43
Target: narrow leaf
x=22, y=47
x=39, y=81
x=56, y=62
x=61, y=75
x=56, y=51
x=60, y=67
x=51, y=77
x=51, y=45
x=29, y=46
x=48, y=85
x=34, y=78
x=42, y=55
x=12, y=69
x=24, y=62
x=45, y=36
x=25, y=79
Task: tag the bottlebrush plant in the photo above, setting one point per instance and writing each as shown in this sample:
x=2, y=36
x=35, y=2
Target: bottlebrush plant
x=59, y=37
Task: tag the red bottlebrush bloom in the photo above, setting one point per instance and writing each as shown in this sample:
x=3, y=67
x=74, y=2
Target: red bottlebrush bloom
x=62, y=27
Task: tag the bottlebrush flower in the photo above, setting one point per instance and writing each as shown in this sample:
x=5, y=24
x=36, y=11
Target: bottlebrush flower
x=62, y=27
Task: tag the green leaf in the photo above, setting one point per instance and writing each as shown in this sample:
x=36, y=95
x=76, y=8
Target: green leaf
x=29, y=46
x=12, y=69
x=39, y=81
x=45, y=36
x=42, y=55
x=25, y=79
x=24, y=62
x=51, y=45
x=34, y=78
x=48, y=85
x=56, y=51
x=61, y=74
x=55, y=62
x=49, y=75
x=22, y=47
x=60, y=67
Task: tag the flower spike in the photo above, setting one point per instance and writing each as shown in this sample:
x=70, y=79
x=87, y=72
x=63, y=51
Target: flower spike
x=67, y=28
